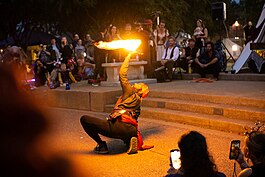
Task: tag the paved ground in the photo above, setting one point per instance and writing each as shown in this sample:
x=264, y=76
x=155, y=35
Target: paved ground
x=66, y=135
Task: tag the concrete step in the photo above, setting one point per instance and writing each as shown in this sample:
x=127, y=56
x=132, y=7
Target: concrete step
x=226, y=76
x=207, y=121
x=229, y=111
x=221, y=99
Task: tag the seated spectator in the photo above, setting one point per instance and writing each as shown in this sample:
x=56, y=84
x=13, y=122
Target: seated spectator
x=54, y=80
x=208, y=63
x=254, y=149
x=169, y=58
x=188, y=56
x=43, y=54
x=72, y=65
x=85, y=70
x=40, y=73
x=65, y=75
x=195, y=158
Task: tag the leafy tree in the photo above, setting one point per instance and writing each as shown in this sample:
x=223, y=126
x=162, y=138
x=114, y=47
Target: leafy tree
x=20, y=18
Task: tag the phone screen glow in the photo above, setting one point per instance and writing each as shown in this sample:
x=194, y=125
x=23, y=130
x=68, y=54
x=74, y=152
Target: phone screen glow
x=175, y=158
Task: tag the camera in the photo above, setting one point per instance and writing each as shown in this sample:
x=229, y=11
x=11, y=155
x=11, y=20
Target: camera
x=234, y=149
x=175, y=159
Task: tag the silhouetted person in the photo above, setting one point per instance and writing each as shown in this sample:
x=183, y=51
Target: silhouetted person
x=22, y=127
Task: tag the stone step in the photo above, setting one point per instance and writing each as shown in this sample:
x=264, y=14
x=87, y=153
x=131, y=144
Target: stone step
x=229, y=111
x=225, y=76
x=221, y=99
x=109, y=107
x=207, y=121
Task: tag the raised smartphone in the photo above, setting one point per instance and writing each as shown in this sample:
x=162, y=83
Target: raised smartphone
x=234, y=149
x=175, y=158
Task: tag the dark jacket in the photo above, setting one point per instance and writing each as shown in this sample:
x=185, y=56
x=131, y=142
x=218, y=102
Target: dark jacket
x=130, y=100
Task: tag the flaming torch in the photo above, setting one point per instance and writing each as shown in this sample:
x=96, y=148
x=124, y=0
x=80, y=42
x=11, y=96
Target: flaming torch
x=130, y=45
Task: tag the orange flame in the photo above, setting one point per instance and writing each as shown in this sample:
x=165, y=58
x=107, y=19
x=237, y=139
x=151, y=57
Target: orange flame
x=130, y=45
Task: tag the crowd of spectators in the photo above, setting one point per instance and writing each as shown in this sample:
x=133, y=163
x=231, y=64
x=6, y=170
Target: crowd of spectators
x=84, y=61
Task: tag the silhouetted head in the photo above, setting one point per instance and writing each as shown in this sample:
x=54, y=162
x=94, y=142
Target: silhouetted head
x=195, y=159
x=254, y=147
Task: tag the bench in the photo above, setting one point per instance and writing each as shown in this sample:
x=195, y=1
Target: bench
x=136, y=70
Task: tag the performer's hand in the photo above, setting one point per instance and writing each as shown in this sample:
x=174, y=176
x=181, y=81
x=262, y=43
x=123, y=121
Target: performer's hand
x=131, y=53
x=240, y=158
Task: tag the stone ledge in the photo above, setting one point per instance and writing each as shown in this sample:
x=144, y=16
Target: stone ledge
x=225, y=76
x=117, y=84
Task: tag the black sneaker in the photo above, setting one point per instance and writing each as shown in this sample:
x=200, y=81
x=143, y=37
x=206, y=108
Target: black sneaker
x=133, y=146
x=101, y=148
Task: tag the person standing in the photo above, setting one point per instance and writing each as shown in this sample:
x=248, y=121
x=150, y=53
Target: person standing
x=112, y=35
x=200, y=34
x=249, y=32
x=127, y=34
x=75, y=40
x=79, y=49
x=53, y=48
x=66, y=50
x=89, y=46
x=161, y=35
x=122, y=123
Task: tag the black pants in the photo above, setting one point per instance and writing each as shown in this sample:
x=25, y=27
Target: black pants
x=94, y=126
x=99, y=59
x=165, y=73
x=211, y=69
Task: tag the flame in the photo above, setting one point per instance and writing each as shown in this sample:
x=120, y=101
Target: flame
x=130, y=45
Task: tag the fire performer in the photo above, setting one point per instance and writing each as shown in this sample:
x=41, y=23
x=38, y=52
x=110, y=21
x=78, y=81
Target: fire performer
x=122, y=122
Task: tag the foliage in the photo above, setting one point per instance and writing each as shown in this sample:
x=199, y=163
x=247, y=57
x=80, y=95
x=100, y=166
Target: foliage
x=82, y=16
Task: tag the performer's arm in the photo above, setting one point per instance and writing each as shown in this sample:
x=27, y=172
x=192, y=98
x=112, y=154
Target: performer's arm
x=127, y=89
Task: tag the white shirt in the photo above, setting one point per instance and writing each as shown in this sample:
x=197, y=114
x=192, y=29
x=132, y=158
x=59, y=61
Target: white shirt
x=57, y=53
x=167, y=56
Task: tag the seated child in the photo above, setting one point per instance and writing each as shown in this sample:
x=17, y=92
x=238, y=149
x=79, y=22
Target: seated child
x=65, y=75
